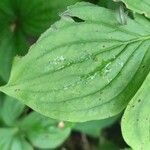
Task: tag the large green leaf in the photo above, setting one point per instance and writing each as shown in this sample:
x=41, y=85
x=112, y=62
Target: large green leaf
x=44, y=132
x=11, y=110
x=139, y=6
x=136, y=120
x=85, y=69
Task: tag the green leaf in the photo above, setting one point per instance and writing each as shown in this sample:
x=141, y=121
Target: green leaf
x=37, y=15
x=6, y=12
x=7, y=52
x=107, y=145
x=108, y=4
x=19, y=143
x=10, y=140
x=21, y=43
x=93, y=128
x=44, y=132
x=82, y=70
x=6, y=137
x=136, y=120
x=1, y=103
x=139, y=6
x=11, y=43
x=11, y=110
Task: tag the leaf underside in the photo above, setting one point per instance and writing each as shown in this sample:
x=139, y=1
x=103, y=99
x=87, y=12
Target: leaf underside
x=136, y=120
x=87, y=66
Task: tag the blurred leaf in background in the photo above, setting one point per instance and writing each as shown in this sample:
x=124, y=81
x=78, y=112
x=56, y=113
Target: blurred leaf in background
x=23, y=131
x=108, y=4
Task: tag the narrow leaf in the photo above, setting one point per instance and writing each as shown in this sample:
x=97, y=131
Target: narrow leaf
x=136, y=120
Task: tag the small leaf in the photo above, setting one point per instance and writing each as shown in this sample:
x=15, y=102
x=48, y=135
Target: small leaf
x=11, y=110
x=136, y=120
x=6, y=137
x=44, y=132
x=7, y=52
x=19, y=143
x=83, y=69
x=139, y=6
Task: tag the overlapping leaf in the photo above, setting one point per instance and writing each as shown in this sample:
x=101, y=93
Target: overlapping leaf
x=6, y=137
x=41, y=131
x=19, y=143
x=11, y=110
x=136, y=120
x=44, y=132
x=139, y=6
x=11, y=140
x=85, y=69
